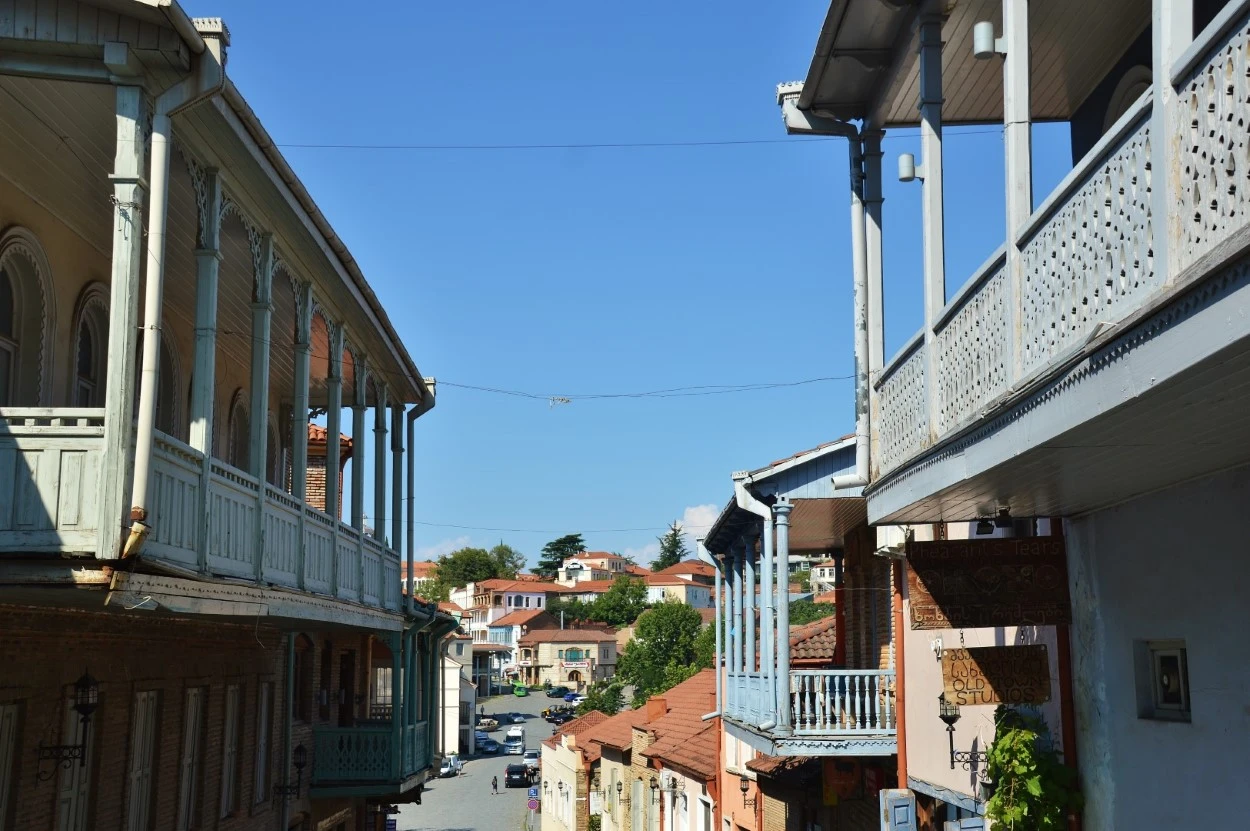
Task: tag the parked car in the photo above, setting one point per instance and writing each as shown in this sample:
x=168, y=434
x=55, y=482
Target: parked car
x=531, y=761
x=480, y=736
x=451, y=766
x=578, y=699
x=561, y=718
x=569, y=696
x=557, y=692
x=520, y=690
x=516, y=776
x=488, y=745
x=555, y=710
x=516, y=718
x=487, y=724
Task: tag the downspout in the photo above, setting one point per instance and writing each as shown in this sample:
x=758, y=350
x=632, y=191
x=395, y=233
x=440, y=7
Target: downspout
x=206, y=80
x=706, y=557
x=427, y=404
x=801, y=122
x=747, y=502
x=290, y=726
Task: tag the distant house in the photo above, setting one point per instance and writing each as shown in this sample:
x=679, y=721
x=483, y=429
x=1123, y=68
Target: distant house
x=694, y=571
x=824, y=576
x=570, y=657
x=591, y=565
x=507, y=631
x=662, y=587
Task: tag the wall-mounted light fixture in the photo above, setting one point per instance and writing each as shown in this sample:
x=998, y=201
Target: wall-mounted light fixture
x=625, y=800
x=86, y=699
x=299, y=758
x=744, y=784
x=908, y=170
x=949, y=713
x=984, y=44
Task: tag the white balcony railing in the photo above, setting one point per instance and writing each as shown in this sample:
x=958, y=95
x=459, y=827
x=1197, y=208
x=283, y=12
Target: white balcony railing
x=824, y=702
x=49, y=471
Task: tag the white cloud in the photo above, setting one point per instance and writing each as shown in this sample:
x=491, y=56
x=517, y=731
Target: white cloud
x=644, y=555
x=438, y=549
x=695, y=522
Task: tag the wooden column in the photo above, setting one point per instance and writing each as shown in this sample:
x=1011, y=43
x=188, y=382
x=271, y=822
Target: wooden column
x=397, y=477
x=379, y=463
x=129, y=191
x=1172, y=30
x=299, y=420
x=334, y=422
x=1018, y=157
x=358, y=447
x=258, y=441
x=781, y=515
x=934, y=254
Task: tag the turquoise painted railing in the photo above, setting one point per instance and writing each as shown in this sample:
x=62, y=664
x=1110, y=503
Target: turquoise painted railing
x=365, y=754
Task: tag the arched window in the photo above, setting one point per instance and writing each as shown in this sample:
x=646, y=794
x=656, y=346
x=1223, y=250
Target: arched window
x=91, y=328
x=240, y=431
x=27, y=324
x=167, y=389
x=274, y=454
x=1132, y=86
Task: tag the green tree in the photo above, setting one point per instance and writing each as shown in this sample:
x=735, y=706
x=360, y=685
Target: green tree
x=556, y=552
x=803, y=578
x=1033, y=789
x=622, y=603
x=805, y=611
x=662, y=652
x=572, y=608
x=606, y=696
x=672, y=548
x=705, y=648
x=463, y=566
x=508, y=561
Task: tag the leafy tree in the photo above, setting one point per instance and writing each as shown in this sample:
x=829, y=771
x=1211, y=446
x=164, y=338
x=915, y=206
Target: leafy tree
x=806, y=611
x=508, y=561
x=1033, y=789
x=672, y=548
x=556, y=552
x=662, y=652
x=572, y=607
x=622, y=603
x=705, y=648
x=605, y=696
x=803, y=578
x=465, y=565
x=626, y=557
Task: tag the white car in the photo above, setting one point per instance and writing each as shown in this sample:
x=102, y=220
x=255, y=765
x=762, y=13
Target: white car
x=530, y=760
x=451, y=766
x=578, y=699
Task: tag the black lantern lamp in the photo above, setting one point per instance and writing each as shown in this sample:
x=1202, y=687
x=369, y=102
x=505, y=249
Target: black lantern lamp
x=744, y=784
x=620, y=797
x=86, y=699
x=299, y=758
x=949, y=713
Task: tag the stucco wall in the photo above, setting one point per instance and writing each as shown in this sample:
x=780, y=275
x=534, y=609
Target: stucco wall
x=1169, y=565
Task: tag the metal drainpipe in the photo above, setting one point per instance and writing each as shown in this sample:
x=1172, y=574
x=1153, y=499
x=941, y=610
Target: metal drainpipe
x=290, y=726
x=706, y=557
x=206, y=80
x=427, y=404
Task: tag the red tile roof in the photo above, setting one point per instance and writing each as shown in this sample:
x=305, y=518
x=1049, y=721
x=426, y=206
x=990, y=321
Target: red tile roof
x=575, y=728
x=708, y=615
x=637, y=570
x=522, y=577
x=499, y=584
x=826, y=597
x=448, y=606
x=588, y=586
x=317, y=435
x=683, y=738
x=662, y=579
x=814, y=641
x=537, y=636
x=524, y=617
x=695, y=567
x=826, y=564
x=596, y=555
x=618, y=731
x=421, y=568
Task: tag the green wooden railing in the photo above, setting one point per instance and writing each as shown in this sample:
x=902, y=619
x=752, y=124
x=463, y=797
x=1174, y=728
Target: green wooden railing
x=366, y=754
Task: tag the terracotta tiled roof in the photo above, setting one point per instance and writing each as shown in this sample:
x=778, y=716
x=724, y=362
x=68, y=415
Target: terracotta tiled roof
x=637, y=570
x=499, y=584
x=577, y=727
x=537, y=636
x=596, y=555
x=524, y=617
x=695, y=567
x=618, y=731
x=586, y=586
x=448, y=606
x=772, y=765
x=814, y=641
x=826, y=597
x=827, y=564
x=662, y=579
x=522, y=577
x=421, y=568
x=708, y=615
x=683, y=738
x=317, y=435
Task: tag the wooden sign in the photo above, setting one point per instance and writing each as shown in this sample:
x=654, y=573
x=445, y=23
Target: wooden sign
x=996, y=675
x=966, y=584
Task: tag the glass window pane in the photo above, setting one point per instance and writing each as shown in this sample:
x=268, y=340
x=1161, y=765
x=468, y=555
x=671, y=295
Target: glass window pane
x=86, y=352
x=6, y=305
x=6, y=368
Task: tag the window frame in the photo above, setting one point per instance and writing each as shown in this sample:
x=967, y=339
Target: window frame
x=231, y=735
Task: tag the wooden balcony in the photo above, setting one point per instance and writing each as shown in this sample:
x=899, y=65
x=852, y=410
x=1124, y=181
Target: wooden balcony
x=369, y=760
x=833, y=712
x=243, y=529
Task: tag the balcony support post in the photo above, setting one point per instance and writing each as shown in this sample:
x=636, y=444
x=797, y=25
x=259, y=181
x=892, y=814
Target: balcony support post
x=1018, y=157
x=358, y=446
x=379, y=462
x=876, y=287
x=299, y=416
x=768, y=625
x=396, y=643
x=731, y=622
x=718, y=660
x=1172, y=29
x=334, y=424
x=258, y=441
x=932, y=219
x=129, y=191
x=750, y=649
x=739, y=615
x=397, y=477
x=781, y=514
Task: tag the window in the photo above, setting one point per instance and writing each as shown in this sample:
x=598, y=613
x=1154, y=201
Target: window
x=8, y=338
x=603, y=654
x=189, y=765
x=327, y=673
x=240, y=431
x=230, y=751
x=380, y=703
x=8, y=752
x=560, y=654
x=27, y=324
x=1162, y=674
x=302, y=705
x=539, y=602
x=73, y=796
x=264, y=705
x=143, y=721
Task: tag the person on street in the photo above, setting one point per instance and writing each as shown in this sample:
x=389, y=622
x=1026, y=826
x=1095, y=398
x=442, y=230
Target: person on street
x=494, y=785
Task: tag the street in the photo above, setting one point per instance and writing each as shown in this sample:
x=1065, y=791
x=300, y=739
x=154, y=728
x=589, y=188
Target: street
x=464, y=802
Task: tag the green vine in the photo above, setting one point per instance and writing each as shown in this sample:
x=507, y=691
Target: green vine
x=1033, y=789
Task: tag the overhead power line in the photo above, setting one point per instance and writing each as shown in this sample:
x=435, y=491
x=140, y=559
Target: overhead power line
x=672, y=392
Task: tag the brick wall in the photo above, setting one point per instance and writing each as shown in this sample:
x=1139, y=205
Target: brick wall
x=315, y=479
x=44, y=651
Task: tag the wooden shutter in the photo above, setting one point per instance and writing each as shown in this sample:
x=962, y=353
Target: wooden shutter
x=73, y=786
x=188, y=766
x=898, y=810
x=230, y=751
x=260, y=779
x=139, y=774
x=8, y=750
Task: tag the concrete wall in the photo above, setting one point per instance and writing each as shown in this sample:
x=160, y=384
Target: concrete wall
x=928, y=747
x=1169, y=565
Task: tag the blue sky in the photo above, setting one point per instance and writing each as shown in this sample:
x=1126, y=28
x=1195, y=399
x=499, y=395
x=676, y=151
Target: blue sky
x=578, y=271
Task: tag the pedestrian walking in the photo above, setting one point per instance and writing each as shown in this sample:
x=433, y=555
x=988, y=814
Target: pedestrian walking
x=494, y=785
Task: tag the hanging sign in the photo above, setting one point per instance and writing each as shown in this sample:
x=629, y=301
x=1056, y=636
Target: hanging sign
x=966, y=584
x=996, y=675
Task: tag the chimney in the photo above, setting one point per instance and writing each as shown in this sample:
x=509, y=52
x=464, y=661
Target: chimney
x=656, y=707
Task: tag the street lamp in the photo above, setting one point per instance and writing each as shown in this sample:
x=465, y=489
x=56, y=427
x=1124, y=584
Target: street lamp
x=299, y=758
x=86, y=699
x=949, y=713
x=744, y=785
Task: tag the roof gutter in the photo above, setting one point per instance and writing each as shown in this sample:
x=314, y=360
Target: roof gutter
x=809, y=122
x=427, y=404
x=180, y=22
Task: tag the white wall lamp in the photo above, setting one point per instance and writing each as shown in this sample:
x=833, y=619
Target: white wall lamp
x=908, y=170
x=984, y=44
